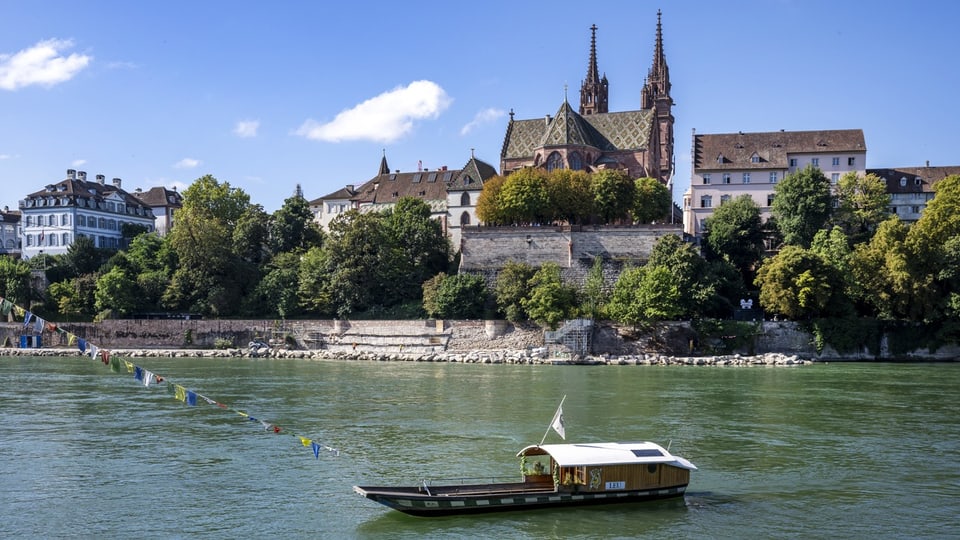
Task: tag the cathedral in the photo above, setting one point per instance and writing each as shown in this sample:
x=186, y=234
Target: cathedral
x=593, y=138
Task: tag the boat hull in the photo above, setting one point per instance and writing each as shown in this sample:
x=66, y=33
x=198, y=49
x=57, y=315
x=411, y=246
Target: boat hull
x=415, y=502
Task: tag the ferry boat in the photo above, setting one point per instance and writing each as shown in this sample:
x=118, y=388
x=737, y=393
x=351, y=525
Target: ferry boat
x=553, y=475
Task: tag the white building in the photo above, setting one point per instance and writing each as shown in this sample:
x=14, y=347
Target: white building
x=52, y=218
x=726, y=166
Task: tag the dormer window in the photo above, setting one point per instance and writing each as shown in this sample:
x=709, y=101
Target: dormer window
x=720, y=158
x=917, y=181
x=903, y=181
x=755, y=158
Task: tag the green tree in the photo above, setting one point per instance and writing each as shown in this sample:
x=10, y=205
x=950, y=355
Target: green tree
x=431, y=288
x=461, y=297
x=313, y=284
x=117, y=292
x=277, y=292
x=881, y=272
x=613, y=194
x=421, y=239
x=570, y=196
x=734, y=233
x=292, y=227
x=862, y=203
x=645, y=294
x=15, y=280
x=550, y=301
x=651, y=201
x=511, y=287
x=251, y=236
x=524, y=198
x=75, y=297
x=798, y=283
x=802, y=204
x=595, y=293
x=488, y=202
x=697, y=284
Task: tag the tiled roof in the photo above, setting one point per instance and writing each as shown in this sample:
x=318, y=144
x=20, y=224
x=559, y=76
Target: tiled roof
x=609, y=132
x=928, y=177
x=157, y=197
x=472, y=176
x=342, y=193
x=388, y=188
x=76, y=189
x=736, y=150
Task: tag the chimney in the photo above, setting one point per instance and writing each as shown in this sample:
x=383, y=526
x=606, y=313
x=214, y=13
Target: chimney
x=928, y=163
x=349, y=187
x=116, y=183
x=101, y=178
x=82, y=175
x=71, y=174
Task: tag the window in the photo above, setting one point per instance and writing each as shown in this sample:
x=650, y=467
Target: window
x=773, y=178
x=464, y=219
x=835, y=161
x=432, y=177
x=576, y=162
x=793, y=162
x=706, y=179
x=554, y=161
x=755, y=158
x=815, y=162
x=834, y=178
x=66, y=239
x=465, y=199
x=903, y=183
x=917, y=181
x=42, y=220
x=746, y=178
x=724, y=199
x=706, y=201
x=851, y=161
x=915, y=209
x=417, y=177
x=770, y=199
x=726, y=178
x=720, y=158
x=65, y=219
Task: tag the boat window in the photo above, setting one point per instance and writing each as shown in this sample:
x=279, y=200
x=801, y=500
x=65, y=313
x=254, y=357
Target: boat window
x=647, y=452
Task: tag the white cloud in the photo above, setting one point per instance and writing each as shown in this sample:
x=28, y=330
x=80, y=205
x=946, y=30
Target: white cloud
x=187, y=163
x=5, y=156
x=78, y=163
x=246, y=128
x=482, y=117
x=384, y=118
x=41, y=64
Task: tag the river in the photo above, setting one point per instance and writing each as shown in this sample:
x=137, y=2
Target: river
x=866, y=450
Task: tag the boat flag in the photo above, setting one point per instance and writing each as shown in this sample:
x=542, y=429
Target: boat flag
x=557, y=423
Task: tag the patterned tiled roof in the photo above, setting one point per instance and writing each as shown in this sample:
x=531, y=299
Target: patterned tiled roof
x=609, y=132
x=472, y=176
x=736, y=150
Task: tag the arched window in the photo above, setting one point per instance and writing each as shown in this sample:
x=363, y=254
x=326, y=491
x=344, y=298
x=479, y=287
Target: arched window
x=41, y=220
x=576, y=162
x=465, y=199
x=81, y=221
x=464, y=219
x=554, y=161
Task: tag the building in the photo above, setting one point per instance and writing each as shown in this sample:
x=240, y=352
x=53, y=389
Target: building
x=164, y=203
x=639, y=141
x=10, y=232
x=328, y=207
x=726, y=166
x=911, y=188
x=462, y=195
x=55, y=216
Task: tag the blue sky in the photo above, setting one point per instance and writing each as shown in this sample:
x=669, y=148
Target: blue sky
x=268, y=95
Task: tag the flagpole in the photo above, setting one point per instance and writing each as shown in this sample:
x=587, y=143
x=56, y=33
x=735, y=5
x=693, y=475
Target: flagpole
x=551, y=421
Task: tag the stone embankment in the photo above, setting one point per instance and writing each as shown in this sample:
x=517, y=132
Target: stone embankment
x=505, y=356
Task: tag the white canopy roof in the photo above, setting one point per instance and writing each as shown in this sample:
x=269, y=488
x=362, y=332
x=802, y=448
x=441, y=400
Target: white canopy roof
x=632, y=453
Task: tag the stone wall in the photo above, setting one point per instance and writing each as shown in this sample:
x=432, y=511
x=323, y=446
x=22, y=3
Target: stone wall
x=492, y=247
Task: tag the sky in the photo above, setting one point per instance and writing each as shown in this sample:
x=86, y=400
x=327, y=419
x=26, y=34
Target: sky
x=268, y=95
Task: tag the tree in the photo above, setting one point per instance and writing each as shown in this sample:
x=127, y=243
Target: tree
x=511, y=287
x=880, y=271
x=798, y=283
x=697, y=281
x=431, y=288
x=117, y=292
x=651, y=201
x=550, y=300
x=613, y=194
x=488, y=204
x=251, y=236
x=645, y=294
x=75, y=297
x=734, y=233
x=292, y=227
x=802, y=204
x=277, y=291
x=595, y=293
x=461, y=297
x=570, y=196
x=862, y=203
x=524, y=197
x=421, y=239
x=15, y=280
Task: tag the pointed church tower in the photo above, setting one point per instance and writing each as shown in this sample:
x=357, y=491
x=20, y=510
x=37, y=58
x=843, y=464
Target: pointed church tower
x=656, y=95
x=593, y=91
x=384, y=168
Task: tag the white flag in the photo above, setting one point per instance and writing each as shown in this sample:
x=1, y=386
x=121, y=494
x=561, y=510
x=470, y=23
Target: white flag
x=557, y=423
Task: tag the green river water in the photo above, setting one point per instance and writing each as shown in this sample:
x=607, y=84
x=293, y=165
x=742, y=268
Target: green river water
x=830, y=450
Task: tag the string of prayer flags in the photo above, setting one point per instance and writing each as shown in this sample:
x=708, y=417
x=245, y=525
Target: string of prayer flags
x=145, y=376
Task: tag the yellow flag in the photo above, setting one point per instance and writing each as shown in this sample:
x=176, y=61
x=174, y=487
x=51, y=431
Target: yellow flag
x=180, y=393
x=72, y=340
x=129, y=365
x=305, y=441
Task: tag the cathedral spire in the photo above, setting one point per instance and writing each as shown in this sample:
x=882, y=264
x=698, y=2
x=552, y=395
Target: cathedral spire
x=656, y=96
x=593, y=92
